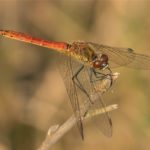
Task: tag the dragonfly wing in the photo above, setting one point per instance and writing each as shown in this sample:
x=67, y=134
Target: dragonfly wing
x=80, y=101
x=140, y=62
x=66, y=65
x=102, y=121
x=122, y=56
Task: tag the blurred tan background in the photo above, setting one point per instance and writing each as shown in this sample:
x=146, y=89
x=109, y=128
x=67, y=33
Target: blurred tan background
x=32, y=96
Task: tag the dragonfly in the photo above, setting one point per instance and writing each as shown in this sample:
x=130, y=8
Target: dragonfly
x=87, y=63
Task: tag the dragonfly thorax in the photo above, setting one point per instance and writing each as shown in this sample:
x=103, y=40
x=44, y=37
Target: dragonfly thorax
x=81, y=51
x=86, y=54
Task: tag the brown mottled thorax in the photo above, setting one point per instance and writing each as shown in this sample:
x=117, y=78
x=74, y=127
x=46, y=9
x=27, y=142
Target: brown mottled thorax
x=81, y=51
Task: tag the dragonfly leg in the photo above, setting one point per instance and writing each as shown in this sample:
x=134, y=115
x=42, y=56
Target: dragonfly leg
x=78, y=83
x=110, y=74
x=99, y=75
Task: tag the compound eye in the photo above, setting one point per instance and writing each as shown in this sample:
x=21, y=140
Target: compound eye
x=103, y=65
x=97, y=64
x=104, y=58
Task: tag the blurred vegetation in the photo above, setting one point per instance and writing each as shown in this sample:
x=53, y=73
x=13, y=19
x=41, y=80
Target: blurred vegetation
x=31, y=96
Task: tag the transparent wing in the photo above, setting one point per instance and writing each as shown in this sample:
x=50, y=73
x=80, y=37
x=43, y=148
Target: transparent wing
x=80, y=102
x=140, y=62
x=103, y=121
x=122, y=56
x=67, y=72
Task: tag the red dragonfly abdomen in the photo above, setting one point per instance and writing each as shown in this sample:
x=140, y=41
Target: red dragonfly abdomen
x=60, y=46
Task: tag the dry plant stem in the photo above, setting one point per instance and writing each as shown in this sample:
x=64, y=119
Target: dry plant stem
x=56, y=132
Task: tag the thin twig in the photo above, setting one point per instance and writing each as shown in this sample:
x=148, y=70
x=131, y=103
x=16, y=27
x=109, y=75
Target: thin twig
x=56, y=132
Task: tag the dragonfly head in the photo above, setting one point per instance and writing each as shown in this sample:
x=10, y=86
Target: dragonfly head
x=100, y=62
